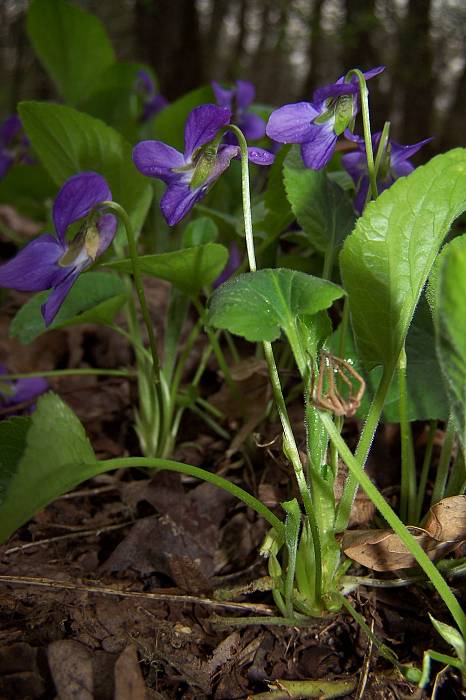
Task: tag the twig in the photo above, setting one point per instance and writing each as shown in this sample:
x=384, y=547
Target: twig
x=103, y=590
x=70, y=535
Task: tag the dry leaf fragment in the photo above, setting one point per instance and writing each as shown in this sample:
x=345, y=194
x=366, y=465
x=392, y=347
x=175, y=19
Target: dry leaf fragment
x=382, y=550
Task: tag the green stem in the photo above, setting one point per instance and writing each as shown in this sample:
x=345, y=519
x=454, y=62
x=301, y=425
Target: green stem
x=408, y=470
x=127, y=336
x=362, y=450
x=356, y=469
x=290, y=445
x=121, y=213
x=84, y=372
x=366, y=126
x=198, y=473
x=444, y=462
x=425, y=470
x=213, y=339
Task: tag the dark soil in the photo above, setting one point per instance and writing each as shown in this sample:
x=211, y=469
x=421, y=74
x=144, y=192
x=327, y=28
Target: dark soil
x=112, y=587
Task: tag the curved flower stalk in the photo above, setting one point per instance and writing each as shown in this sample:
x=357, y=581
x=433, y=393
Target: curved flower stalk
x=317, y=125
x=13, y=394
x=14, y=144
x=191, y=174
x=238, y=99
x=152, y=101
x=395, y=163
x=52, y=261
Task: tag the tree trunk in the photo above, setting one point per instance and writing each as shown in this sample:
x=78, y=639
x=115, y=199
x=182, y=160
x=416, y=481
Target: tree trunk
x=414, y=74
x=169, y=40
x=312, y=79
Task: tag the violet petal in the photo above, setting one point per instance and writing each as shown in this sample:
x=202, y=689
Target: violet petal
x=78, y=196
x=107, y=226
x=203, y=125
x=35, y=267
x=245, y=93
x=178, y=199
x=222, y=95
x=318, y=151
x=9, y=129
x=252, y=126
x=57, y=296
x=292, y=123
x=27, y=389
x=260, y=156
x=157, y=159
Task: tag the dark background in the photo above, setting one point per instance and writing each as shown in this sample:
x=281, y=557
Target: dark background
x=286, y=47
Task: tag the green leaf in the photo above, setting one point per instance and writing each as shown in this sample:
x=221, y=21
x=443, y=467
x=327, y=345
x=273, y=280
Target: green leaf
x=96, y=297
x=322, y=208
x=385, y=262
x=450, y=323
x=26, y=187
x=72, y=45
x=189, y=270
x=68, y=142
x=54, y=459
x=169, y=123
x=427, y=399
x=257, y=305
x=452, y=636
x=200, y=231
x=114, y=99
x=13, y=433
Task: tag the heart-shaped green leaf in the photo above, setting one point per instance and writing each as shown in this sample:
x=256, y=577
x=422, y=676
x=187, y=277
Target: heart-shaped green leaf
x=68, y=142
x=72, y=45
x=450, y=323
x=258, y=305
x=189, y=270
x=50, y=458
x=200, y=231
x=96, y=297
x=323, y=210
x=385, y=262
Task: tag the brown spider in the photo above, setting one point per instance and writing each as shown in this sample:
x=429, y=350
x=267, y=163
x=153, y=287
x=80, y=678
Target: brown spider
x=333, y=400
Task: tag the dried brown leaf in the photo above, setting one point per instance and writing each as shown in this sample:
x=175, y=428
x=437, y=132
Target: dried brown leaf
x=382, y=550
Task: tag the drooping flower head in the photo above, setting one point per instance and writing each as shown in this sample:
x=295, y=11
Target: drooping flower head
x=237, y=100
x=14, y=144
x=191, y=174
x=395, y=163
x=14, y=395
x=317, y=125
x=52, y=261
x=152, y=101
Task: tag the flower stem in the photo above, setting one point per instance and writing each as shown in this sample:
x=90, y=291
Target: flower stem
x=362, y=450
x=198, y=473
x=290, y=445
x=121, y=213
x=84, y=372
x=356, y=468
x=444, y=461
x=364, y=92
x=425, y=470
x=408, y=469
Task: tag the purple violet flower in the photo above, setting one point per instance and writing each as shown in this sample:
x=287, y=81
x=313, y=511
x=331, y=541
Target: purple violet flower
x=153, y=101
x=12, y=394
x=191, y=174
x=233, y=263
x=394, y=164
x=14, y=144
x=238, y=100
x=53, y=262
x=317, y=125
